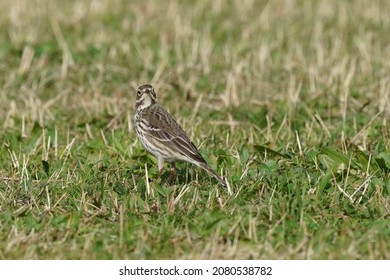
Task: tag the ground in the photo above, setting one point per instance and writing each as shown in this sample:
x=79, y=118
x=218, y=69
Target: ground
x=289, y=100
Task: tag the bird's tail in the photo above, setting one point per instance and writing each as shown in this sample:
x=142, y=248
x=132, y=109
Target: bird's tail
x=208, y=169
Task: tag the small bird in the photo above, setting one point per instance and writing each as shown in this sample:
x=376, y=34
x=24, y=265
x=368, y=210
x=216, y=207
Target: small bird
x=162, y=136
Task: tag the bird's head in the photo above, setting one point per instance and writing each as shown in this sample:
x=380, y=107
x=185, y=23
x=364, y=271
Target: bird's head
x=146, y=96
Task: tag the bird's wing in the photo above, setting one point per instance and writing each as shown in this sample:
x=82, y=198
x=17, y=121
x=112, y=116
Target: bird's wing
x=167, y=131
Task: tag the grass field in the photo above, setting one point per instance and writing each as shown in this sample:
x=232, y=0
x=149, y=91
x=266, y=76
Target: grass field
x=290, y=100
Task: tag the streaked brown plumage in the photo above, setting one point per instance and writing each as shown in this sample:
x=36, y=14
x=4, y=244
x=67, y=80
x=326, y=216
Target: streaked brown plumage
x=162, y=136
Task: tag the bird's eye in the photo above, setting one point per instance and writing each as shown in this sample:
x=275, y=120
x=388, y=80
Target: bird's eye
x=139, y=93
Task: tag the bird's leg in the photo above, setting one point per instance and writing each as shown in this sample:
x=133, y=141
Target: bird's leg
x=172, y=172
x=160, y=163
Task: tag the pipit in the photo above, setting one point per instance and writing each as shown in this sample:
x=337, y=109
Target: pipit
x=162, y=136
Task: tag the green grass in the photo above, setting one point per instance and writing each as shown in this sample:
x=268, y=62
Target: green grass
x=290, y=100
